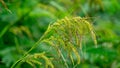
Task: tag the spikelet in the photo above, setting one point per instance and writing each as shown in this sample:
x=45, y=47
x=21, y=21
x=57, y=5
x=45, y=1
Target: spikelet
x=33, y=59
x=68, y=34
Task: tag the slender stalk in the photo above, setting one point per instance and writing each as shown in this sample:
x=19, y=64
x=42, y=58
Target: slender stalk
x=34, y=46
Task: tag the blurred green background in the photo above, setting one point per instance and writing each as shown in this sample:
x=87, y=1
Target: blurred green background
x=29, y=19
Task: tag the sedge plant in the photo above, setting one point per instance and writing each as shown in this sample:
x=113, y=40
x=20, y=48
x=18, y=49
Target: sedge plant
x=65, y=36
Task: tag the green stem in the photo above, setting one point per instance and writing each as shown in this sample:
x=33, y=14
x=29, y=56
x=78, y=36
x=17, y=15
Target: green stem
x=34, y=46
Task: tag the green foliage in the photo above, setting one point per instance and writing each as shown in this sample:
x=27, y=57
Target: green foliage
x=5, y=6
x=23, y=22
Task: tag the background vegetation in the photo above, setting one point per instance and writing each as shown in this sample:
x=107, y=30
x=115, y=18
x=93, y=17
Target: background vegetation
x=25, y=21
